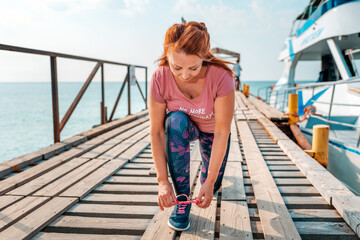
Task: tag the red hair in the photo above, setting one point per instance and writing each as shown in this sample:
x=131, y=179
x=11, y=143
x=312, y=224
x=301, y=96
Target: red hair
x=191, y=38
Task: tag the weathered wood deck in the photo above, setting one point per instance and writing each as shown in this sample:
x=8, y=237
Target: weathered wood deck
x=99, y=185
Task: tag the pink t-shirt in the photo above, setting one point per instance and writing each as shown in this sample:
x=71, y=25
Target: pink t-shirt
x=218, y=83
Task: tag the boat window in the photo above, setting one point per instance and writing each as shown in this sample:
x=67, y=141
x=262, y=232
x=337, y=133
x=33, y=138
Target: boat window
x=315, y=10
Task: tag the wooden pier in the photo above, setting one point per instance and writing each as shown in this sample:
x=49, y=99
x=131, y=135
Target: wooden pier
x=101, y=185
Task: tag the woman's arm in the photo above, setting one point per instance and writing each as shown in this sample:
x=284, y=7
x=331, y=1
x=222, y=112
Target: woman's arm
x=224, y=112
x=166, y=196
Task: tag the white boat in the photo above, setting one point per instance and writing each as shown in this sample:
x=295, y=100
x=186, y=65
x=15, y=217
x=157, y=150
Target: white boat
x=327, y=31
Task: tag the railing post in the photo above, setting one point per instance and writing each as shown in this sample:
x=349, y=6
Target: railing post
x=55, y=99
x=331, y=103
x=103, y=118
x=128, y=83
x=146, y=88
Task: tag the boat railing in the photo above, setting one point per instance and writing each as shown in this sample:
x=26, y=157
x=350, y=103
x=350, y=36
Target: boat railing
x=58, y=125
x=280, y=98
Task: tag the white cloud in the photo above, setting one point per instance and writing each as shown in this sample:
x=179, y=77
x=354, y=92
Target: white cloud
x=133, y=7
x=69, y=5
x=259, y=8
x=221, y=17
x=14, y=19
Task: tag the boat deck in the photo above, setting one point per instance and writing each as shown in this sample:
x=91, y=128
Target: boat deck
x=101, y=185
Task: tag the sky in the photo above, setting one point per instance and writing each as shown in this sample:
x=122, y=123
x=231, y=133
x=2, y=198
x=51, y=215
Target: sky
x=132, y=31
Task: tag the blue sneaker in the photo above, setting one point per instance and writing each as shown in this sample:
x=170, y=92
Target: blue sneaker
x=179, y=218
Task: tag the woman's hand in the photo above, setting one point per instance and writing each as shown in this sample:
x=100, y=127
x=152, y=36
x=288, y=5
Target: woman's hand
x=206, y=194
x=166, y=196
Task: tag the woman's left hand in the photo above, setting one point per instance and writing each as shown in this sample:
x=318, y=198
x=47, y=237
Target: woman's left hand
x=206, y=194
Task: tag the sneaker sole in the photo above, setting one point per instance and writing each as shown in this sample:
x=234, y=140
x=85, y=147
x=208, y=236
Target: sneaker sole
x=178, y=229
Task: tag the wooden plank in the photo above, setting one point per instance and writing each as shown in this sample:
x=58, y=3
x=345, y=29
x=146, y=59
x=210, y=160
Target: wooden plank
x=140, y=159
x=31, y=224
x=292, y=181
x=281, y=162
x=72, y=236
x=298, y=190
x=125, y=211
x=292, y=191
x=69, y=179
x=138, y=166
x=276, y=158
x=81, y=224
x=20, y=162
x=195, y=152
x=233, y=184
x=283, y=168
x=123, y=146
x=265, y=153
x=233, y=130
x=87, y=184
x=264, y=141
x=235, y=220
x=5, y=170
x=129, y=199
x=325, y=230
x=33, y=172
x=234, y=153
x=43, y=153
x=349, y=209
x=325, y=215
x=305, y=200
x=127, y=189
x=114, y=124
x=119, y=133
x=20, y=209
x=132, y=172
x=275, y=218
x=292, y=174
x=48, y=177
x=134, y=150
x=267, y=110
x=74, y=141
x=6, y=201
x=158, y=228
x=276, y=134
x=132, y=180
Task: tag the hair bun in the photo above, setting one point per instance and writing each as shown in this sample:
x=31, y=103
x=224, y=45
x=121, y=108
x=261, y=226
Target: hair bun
x=203, y=26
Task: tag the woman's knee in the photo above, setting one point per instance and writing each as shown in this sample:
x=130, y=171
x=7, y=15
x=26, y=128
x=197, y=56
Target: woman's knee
x=177, y=120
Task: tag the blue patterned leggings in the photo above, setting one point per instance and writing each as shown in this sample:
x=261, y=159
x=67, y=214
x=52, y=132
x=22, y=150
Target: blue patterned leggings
x=179, y=132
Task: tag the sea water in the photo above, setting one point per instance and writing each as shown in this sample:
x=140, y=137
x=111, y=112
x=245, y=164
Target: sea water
x=26, y=123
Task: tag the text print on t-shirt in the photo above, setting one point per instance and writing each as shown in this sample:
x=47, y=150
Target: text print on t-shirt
x=199, y=113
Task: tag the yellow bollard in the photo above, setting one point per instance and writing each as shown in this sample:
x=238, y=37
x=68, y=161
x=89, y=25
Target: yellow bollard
x=293, y=108
x=320, y=144
x=247, y=90
x=243, y=88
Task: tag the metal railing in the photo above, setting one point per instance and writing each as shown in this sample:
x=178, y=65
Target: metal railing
x=281, y=99
x=59, y=125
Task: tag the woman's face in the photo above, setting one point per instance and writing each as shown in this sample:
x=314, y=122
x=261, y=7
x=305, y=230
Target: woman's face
x=185, y=67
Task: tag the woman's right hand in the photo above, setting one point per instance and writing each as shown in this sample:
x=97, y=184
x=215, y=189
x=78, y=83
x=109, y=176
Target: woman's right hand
x=166, y=196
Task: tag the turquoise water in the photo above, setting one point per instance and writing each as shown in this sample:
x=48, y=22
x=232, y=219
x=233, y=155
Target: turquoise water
x=26, y=112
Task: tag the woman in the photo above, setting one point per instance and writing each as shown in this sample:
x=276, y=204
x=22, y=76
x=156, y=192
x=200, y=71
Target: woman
x=191, y=97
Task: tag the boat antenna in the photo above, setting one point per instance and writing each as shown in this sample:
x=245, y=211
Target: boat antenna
x=183, y=20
